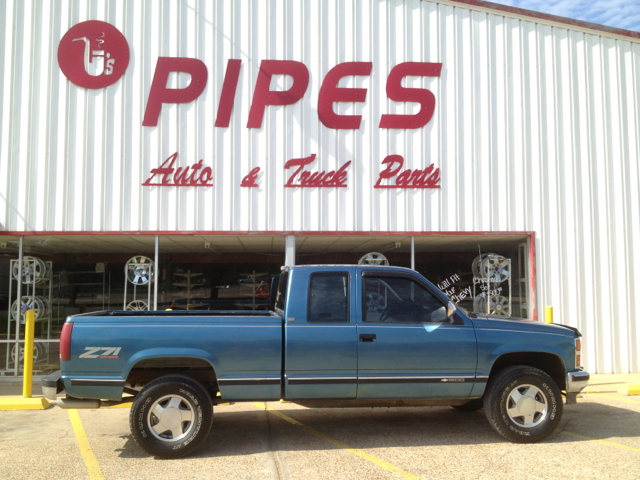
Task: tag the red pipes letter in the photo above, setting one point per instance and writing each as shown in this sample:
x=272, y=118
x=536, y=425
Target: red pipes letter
x=228, y=93
x=159, y=92
x=262, y=96
x=426, y=99
x=330, y=93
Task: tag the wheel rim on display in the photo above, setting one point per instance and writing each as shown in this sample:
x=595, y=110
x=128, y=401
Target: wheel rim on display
x=499, y=305
x=474, y=266
x=33, y=270
x=373, y=258
x=496, y=268
x=480, y=304
x=374, y=302
x=171, y=418
x=527, y=406
x=40, y=305
x=21, y=355
x=39, y=351
x=139, y=270
x=137, y=305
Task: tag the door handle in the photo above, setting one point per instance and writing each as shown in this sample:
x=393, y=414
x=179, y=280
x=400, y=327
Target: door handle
x=368, y=337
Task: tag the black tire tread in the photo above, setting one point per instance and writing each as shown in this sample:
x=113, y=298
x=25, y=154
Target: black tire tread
x=184, y=381
x=491, y=400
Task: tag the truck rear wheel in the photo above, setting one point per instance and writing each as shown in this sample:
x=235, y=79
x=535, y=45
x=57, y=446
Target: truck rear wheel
x=171, y=416
x=523, y=404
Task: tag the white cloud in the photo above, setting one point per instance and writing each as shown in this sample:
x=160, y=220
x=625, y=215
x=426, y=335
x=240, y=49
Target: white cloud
x=613, y=13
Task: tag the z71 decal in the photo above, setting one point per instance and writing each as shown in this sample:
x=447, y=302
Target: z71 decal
x=101, y=352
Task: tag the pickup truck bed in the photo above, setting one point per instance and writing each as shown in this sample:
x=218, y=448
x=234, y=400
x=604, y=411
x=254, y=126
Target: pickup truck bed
x=244, y=348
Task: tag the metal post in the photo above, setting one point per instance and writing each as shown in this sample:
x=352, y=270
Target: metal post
x=413, y=254
x=290, y=251
x=156, y=275
x=126, y=281
x=27, y=381
x=19, y=307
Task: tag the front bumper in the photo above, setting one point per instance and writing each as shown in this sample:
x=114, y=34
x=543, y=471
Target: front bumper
x=577, y=380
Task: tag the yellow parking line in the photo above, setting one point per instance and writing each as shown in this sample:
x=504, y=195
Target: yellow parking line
x=333, y=441
x=613, y=398
x=90, y=460
x=584, y=437
x=121, y=405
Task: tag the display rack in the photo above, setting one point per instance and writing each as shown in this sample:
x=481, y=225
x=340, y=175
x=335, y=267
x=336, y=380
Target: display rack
x=523, y=273
x=37, y=276
x=139, y=271
x=187, y=283
x=492, y=270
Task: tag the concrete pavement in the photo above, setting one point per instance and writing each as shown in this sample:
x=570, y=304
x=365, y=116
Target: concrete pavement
x=599, y=437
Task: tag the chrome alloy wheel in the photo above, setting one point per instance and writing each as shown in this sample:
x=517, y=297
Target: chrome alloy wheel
x=527, y=406
x=170, y=418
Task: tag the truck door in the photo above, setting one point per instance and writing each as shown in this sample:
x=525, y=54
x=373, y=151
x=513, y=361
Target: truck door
x=321, y=347
x=407, y=346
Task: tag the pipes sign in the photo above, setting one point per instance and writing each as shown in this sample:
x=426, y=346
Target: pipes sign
x=94, y=55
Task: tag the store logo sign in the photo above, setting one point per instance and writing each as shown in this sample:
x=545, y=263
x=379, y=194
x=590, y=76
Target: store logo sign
x=93, y=54
x=195, y=175
x=307, y=179
x=391, y=177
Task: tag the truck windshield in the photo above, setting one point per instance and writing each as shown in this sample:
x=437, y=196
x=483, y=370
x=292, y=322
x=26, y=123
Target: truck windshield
x=282, y=290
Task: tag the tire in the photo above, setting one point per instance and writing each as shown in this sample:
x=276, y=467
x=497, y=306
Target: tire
x=472, y=406
x=523, y=404
x=171, y=416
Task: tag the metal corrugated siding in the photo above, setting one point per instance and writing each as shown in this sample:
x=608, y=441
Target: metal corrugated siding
x=536, y=129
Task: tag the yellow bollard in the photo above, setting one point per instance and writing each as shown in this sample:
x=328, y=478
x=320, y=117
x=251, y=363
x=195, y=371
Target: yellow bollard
x=548, y=314
x=28, y=354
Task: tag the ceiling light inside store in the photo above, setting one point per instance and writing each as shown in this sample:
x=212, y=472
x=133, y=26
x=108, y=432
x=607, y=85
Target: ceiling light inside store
x=398, y=244
x=3, y=244
x=207, y=245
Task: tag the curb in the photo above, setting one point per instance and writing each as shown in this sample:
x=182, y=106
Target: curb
x=23, y=404
x=629, y=390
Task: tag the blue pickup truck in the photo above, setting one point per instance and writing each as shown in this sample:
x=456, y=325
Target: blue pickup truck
x=339, y=336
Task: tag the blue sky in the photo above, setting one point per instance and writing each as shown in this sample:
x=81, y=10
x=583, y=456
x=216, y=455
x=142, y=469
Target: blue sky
x=614, y=13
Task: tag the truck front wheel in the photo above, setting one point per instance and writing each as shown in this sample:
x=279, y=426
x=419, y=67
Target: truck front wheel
x=171, y=416
x=523, y=404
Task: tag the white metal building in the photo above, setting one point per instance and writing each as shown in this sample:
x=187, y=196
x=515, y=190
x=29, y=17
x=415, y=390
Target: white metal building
x=535, y=132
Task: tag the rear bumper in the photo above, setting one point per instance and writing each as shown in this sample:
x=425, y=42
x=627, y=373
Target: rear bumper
x=577, y=380
x=52, y=386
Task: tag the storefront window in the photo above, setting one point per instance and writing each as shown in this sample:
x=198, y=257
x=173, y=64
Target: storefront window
x=481, y=275
x=67, y=275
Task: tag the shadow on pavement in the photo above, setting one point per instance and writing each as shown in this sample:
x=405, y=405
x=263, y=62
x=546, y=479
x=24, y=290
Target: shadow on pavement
x=251, y=432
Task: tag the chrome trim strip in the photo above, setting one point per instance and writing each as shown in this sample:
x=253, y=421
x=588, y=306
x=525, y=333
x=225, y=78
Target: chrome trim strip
x=321, y=380
x=235, y=382
x=417, y=379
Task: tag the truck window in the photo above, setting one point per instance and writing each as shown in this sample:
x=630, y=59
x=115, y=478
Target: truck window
x=282, y=290
x=400, y=300
x=328, y=298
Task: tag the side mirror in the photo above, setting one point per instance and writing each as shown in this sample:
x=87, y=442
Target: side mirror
x=451, y=309
x=439, y=315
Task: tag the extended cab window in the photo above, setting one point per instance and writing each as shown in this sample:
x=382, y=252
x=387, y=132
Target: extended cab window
x=282, y=290
x=328, y=297
x=400, y=300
